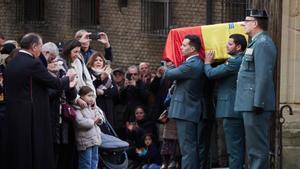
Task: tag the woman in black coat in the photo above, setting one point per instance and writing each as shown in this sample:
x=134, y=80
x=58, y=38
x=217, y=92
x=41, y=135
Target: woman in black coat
x=135, y=131
x=106, y=88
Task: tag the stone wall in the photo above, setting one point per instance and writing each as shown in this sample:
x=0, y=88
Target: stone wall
x=290, y=82
x=123, y=26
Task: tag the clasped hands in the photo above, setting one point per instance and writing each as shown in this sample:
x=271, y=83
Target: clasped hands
x=71, y=73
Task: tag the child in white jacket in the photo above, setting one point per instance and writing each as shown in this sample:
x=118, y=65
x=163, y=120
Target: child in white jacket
x=87, y=131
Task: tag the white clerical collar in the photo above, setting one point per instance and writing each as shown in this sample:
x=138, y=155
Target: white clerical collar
x=190, y=57
x=24, y=51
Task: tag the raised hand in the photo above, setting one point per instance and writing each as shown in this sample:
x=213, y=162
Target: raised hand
x=73, y=83
x=85, y=37
x=104, y=39
x=71, y=74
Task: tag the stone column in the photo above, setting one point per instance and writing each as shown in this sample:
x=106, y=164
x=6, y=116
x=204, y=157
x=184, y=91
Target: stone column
x=290, y=81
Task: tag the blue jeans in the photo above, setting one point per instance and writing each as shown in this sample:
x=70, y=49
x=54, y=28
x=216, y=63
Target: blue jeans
x=88, y=159
x=151, y=166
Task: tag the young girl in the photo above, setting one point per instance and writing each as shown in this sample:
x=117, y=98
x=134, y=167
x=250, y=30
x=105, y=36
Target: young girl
x=87, y=131
x=149, y=153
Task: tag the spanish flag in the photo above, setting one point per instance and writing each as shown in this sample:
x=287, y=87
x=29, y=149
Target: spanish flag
x=213, y=37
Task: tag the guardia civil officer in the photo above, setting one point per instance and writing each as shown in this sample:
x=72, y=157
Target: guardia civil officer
x=226, y=75
x=255, y=96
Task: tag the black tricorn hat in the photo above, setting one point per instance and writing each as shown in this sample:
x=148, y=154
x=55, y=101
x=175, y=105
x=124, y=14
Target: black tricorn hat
x=258, y=13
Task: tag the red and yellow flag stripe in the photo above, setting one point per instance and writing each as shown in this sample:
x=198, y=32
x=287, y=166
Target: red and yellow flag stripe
x=213, y=37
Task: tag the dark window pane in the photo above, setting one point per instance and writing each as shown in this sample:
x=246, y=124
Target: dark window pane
x=156, y=16
x=233, y=10
x=30, y=12
x=85, y=12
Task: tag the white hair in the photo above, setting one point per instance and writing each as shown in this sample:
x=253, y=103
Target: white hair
x=79, y=34
x=133, y=67
x=51, y=48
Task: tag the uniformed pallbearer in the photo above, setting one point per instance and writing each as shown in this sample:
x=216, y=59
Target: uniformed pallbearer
x=225, y=75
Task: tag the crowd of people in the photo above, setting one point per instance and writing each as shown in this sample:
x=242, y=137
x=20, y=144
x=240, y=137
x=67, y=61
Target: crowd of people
x=130, y=100
x=166, y=116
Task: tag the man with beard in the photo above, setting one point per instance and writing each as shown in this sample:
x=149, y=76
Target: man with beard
x=225, y=75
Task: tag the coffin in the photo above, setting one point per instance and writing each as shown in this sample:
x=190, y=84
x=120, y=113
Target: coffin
x=213, y=37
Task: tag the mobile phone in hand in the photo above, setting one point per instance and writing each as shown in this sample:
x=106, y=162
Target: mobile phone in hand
x=94, y=36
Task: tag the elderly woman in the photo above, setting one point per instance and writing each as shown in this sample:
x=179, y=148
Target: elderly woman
x=106, y=89
x=62, y=128
x=71, y=53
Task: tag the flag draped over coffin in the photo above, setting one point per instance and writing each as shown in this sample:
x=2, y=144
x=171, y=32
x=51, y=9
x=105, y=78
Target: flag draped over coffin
x=213, y=37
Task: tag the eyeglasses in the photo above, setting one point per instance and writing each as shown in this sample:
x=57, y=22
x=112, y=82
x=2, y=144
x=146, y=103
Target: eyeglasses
x=135, y=74
x=249, y=20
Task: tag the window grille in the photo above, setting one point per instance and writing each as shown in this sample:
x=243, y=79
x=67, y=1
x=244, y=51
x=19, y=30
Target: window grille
x=156, y=16
x=32, y=12
x=85, y=13
x=234, y=10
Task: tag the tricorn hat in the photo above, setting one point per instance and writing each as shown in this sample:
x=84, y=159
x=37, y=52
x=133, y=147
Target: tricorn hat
x=258, y=13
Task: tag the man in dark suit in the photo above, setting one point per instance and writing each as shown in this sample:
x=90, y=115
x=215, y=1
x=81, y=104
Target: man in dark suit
x=28, y=126
x=255, y=95
x=186, y=105
x=225, y=75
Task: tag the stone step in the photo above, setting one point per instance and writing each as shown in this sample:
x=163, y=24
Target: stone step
x=291, y=137
x=291, y=157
